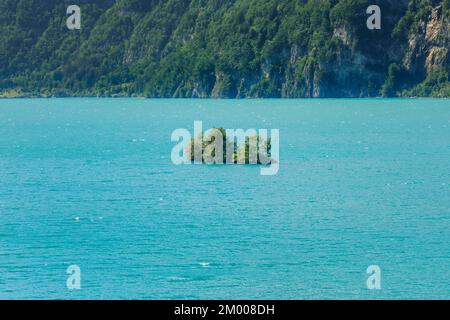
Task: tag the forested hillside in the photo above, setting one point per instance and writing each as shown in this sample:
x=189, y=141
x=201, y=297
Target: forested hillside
x=225, y=48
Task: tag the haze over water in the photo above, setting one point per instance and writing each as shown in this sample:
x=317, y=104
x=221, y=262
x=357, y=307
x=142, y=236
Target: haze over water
x=90, y=182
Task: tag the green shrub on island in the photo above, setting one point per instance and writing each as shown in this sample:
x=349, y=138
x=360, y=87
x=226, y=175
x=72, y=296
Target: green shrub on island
x=215, y=147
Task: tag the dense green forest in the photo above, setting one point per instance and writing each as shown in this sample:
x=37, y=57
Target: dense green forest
x=225, y=48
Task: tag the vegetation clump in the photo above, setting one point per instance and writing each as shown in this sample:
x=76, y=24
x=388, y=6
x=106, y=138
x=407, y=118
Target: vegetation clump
x=214, y=147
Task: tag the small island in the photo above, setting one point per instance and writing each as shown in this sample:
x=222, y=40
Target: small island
x=216, y=147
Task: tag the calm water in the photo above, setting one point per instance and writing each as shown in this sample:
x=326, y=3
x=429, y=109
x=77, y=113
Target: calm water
x=90, y=182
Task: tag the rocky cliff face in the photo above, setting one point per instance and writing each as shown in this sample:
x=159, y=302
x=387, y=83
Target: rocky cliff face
x=428, y=48
x=358, y=68
x=225, y=48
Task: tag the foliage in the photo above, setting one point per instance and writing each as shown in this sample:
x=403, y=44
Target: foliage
x=218, y=48
x=250, y=151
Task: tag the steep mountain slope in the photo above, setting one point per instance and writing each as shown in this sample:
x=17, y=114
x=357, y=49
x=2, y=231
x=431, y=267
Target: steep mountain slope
x=225, y=48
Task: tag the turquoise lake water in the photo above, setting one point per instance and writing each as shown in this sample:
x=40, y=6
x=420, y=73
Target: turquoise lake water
x=90, y=182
